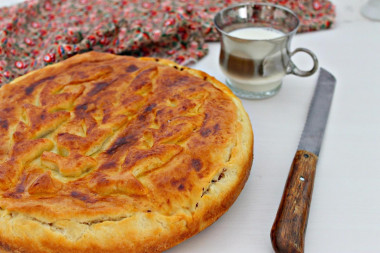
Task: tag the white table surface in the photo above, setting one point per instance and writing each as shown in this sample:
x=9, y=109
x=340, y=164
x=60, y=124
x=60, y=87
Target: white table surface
x=345, y=210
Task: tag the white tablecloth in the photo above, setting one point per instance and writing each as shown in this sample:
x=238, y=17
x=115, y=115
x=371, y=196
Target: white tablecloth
x=344, y=214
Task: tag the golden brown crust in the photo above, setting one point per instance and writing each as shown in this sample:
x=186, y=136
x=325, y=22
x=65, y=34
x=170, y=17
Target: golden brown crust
x=106, y=153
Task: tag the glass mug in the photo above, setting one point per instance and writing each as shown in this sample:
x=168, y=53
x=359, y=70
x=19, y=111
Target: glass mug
x=255, y=48
x=371, y=10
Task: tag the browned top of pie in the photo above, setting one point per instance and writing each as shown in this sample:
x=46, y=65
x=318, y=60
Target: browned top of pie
x=99, y=139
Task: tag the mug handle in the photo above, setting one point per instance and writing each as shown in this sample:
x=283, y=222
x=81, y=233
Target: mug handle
x=293, y=69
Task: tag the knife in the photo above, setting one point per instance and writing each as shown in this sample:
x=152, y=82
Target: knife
x=289, y=227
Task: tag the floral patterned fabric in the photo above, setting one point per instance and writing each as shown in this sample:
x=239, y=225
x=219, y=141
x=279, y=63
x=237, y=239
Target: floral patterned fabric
x=39, y=32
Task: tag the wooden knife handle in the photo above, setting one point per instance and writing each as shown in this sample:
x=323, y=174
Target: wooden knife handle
x=289, y=227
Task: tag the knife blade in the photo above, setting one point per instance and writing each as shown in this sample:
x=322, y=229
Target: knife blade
x=289, y=227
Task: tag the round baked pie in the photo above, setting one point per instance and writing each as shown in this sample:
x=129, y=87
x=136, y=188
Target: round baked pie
x=106, y=153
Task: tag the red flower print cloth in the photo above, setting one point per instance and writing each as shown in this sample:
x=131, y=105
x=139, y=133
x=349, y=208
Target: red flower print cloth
x=39, y=32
